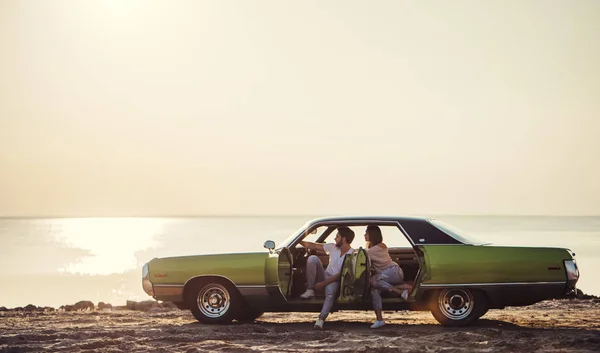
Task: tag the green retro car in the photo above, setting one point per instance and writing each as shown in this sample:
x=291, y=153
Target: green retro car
x=455, y=278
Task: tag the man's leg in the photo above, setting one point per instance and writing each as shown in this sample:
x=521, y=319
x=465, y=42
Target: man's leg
x=330, y=292
x=314, y=274
x=314, y=271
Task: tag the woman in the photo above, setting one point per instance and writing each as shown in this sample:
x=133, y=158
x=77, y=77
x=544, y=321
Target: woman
x=387, y=272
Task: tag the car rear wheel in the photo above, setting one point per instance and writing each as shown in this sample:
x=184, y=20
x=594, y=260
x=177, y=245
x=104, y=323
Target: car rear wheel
x=483, y=312
x=457, y=306
x=214, y=302
x=248, y=315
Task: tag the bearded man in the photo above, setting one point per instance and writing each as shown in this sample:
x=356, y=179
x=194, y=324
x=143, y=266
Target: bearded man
x=317, y=278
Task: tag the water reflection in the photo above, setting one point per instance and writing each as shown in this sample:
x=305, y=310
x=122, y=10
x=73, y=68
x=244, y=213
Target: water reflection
x=110, y=244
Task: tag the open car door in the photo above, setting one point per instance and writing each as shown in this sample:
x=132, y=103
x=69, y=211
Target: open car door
x=362, y=271
x=284, y=272
x=354, y=283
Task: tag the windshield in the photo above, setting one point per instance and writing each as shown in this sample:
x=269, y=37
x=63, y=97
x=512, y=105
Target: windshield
x=286, y=243
x=456, y=233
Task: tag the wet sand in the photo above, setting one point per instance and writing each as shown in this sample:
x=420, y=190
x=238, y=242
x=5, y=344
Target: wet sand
x=550, y=326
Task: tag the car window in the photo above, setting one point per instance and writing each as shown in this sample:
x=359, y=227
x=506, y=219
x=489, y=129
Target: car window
x=359, y=236
x=394, y=238
x=456, y=233
x=314, y=237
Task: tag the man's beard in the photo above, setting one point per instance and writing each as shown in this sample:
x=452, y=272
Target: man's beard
x=339, y=244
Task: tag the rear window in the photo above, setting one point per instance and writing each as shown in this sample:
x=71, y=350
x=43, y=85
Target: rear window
x=422, y=232
x=456, y=233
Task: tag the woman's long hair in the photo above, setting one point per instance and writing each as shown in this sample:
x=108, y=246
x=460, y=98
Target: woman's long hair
x=375, y=236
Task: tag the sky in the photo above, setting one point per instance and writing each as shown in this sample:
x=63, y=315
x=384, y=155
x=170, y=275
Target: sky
x=169, y=108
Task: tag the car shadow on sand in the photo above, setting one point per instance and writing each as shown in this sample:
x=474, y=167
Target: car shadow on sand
x=365, y=325
x=495, y=335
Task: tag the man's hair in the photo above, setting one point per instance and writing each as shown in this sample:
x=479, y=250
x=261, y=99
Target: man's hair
x=375, y=236
x=347, y=233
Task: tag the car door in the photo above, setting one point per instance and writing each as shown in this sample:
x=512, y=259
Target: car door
x=362, y=275
x=284, y=272
x=354, y=281
x=423, y=274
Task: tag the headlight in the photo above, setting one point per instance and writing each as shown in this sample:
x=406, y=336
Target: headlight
x=572, y=270
x=146, y=284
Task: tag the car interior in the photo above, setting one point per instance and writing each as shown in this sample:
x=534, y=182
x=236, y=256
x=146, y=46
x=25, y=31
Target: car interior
x=400, y=250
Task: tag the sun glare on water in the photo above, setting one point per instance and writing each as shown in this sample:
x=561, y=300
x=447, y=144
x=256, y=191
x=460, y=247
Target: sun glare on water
x=111, y=243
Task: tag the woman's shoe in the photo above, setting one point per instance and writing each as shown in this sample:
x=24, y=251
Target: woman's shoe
x=378, y=324
x=404, y=295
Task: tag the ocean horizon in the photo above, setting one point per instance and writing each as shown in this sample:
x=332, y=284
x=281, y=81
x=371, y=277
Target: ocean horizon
x=53, y=261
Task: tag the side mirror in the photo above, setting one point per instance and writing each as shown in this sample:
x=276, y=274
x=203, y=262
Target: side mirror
x=269, y=244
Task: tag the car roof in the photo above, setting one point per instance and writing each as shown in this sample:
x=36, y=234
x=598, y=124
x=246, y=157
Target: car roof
x=368, y=219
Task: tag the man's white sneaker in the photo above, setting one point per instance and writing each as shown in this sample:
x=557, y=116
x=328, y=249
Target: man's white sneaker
x=404, y=295
x=309, y=293
x=319, y=324
x=378, y=324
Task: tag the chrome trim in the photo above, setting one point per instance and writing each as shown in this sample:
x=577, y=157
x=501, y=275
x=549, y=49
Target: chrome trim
x=406, y=235
x=168, y=289
x=258, y=290
x=460, y=244
x=487, y=284
x=208, y=275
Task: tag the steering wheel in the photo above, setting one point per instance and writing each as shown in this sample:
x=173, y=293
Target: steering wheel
x=311, y=252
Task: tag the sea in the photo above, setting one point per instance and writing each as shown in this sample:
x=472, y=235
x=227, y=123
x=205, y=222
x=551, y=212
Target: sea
x=58, y=261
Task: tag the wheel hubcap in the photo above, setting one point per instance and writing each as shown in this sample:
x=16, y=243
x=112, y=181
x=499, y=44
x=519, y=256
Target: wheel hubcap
x=214, y=300
x=456, y=304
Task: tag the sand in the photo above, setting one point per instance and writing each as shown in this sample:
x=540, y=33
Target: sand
x=549, y=326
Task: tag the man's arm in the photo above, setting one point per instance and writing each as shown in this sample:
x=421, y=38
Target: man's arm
x=322, y=284
x=312, y=246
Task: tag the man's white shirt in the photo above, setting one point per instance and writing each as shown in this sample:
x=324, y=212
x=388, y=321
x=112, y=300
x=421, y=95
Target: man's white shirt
x=335, y=259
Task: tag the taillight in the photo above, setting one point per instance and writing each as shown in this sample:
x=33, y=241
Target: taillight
x=572, y=270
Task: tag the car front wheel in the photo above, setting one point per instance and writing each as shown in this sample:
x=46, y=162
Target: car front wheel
x=457, y=306
x=215, y=302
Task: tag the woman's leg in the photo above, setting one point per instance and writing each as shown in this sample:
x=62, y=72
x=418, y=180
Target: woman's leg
x=389, y=277
x=376, y=301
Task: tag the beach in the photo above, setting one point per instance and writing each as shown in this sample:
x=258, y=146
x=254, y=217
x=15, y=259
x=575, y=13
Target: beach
x=550, y=326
